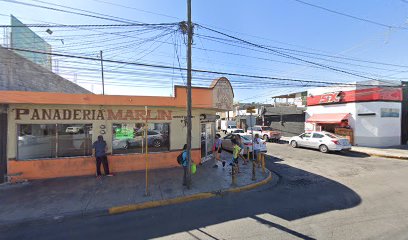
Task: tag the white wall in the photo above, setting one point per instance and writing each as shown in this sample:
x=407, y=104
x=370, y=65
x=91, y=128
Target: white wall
x=377, y=131
x=370, y=131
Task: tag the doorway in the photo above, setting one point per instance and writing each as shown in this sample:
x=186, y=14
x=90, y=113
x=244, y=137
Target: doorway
x=207, y=140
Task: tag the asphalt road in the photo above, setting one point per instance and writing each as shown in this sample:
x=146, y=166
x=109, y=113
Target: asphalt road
x=317, y=196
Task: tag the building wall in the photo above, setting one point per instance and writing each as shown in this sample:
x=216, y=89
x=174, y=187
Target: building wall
x=74, y=166
x=377, y=131
x=371, y=131
x=20, y=74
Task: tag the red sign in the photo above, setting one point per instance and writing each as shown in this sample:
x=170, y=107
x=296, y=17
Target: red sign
x=330, y=97
x=360, y=95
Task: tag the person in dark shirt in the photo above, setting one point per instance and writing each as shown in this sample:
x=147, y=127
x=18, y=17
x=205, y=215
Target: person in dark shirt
x=99, y=149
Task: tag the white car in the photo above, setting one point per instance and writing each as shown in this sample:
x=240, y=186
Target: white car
x=231, y=128
x=239, y=131
x=324, y=141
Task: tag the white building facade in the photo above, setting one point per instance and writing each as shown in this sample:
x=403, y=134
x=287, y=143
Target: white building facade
x=372, y=113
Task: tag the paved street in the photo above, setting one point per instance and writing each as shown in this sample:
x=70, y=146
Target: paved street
x=316, y=196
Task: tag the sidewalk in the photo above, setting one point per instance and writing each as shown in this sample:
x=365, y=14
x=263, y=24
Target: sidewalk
x=399, y=152
x=76, y=196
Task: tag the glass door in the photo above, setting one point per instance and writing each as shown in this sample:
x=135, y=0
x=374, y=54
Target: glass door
x=207, y=140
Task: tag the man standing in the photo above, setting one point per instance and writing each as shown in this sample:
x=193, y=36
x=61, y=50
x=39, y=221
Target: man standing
x=184, y=163
x=99, y=149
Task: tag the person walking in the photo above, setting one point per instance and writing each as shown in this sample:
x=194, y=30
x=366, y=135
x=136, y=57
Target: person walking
x=257, y=146
x=235, y=155
x=242, y=146
x=184, y=163
x=99, y=151
x=217, y=149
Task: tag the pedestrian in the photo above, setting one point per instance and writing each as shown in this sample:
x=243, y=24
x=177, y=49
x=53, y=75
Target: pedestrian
x=184, y=163
x=257, y=146
x=235, y=155
x=217, y=150
x=242, y=146
x=99, y=151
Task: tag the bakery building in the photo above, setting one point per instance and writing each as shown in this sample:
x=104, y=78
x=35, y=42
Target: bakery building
x=49, y=135
x=368, y=113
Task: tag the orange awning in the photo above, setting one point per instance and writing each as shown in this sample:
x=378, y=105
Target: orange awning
x=328, y=118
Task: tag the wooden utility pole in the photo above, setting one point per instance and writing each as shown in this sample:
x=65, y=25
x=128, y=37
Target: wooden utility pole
x=103, y=80
x=189, y=98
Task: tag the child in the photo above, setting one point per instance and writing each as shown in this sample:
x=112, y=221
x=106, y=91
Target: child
x=257, y=146
x=235, y=154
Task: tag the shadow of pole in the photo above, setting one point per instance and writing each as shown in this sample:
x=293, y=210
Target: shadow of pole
x=282, y=228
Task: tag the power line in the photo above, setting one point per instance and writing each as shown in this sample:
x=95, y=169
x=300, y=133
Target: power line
x=290, y=56
x=351, y=16
x=199, y=70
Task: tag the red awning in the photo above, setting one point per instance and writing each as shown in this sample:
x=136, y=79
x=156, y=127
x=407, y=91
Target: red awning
x=328, y=118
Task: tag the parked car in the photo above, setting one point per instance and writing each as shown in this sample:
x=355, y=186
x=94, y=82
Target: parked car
x=74, y=130
x=154, y=139
x=246, y=139
x=231, y=128
x=225, y=124
x=324, y=141
x=27, y=139
x=265, y=132
x=239, y=131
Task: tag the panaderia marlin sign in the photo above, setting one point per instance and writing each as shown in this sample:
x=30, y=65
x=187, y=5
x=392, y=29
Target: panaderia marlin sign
x=88, y=114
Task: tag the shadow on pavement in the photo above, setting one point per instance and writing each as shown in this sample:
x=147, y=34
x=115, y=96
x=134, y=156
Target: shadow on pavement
x=297, y=194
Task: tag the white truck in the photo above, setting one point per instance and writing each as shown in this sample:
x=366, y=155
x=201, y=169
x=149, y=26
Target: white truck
x=265, y=132
x=228, y=126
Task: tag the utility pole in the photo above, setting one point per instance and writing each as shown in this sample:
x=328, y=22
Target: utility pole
x=189, y=98
x=103, y=80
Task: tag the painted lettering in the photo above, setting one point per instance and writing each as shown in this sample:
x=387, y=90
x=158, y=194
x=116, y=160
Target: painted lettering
x=113, y=116
x=129, y=115
x=46, y=113
x=100, y=115
x=76, y=114
x=35, y=115
x=87, y=114
x=67, y=114
x=20, y=112
x=93, y=114
x=149, y=117
x=164, y=115
x=140, y=114
x=57, y=115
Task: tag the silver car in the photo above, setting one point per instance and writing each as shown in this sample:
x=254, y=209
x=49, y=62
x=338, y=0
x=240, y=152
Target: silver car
x=324, y=141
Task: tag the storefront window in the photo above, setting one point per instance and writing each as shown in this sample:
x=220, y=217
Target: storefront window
x=130, y=138
x=36, y=141
x=74, y=140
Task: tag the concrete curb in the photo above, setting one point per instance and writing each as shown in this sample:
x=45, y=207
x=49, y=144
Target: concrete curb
x=198, y=196
x=381, y=155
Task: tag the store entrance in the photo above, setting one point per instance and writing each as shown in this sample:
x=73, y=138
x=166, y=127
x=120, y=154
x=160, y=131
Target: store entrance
x=207, y=140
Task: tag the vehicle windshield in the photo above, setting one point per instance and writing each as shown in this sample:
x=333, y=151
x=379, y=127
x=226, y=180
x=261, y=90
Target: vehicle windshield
x=266, y=128
x=246, y=138
x=330, y=135
x=239, y=131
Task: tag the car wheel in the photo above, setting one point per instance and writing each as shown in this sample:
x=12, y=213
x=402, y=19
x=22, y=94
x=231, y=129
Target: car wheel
x=156, y=143
x=126, y=146
x=294, y=144
x=323, y=148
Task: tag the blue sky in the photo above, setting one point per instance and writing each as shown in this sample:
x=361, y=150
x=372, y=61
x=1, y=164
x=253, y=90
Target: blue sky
x=277, y=23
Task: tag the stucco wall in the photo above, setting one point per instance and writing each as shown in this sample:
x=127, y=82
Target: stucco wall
x=75, y=166
x=371, y=131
